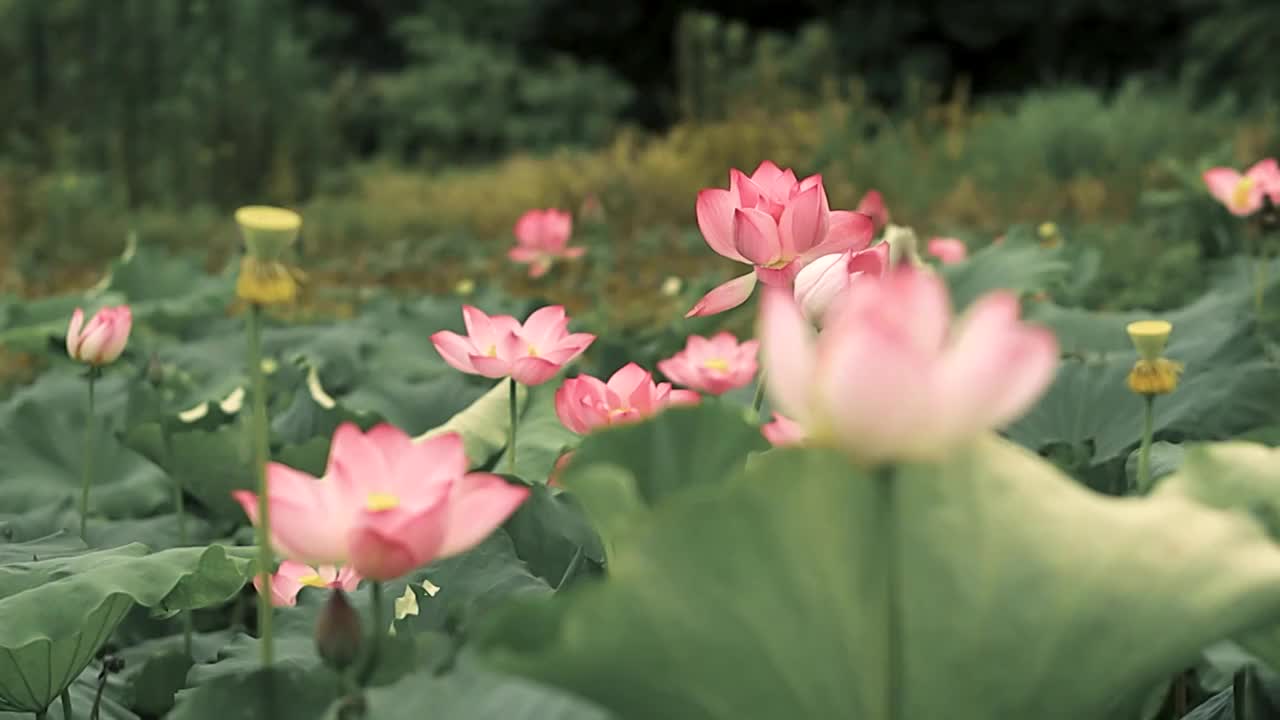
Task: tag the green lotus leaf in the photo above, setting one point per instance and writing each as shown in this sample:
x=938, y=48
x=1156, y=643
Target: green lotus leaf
x=60, y=610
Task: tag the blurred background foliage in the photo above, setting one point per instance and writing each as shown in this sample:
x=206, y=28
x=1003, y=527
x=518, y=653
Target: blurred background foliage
x=413, y=133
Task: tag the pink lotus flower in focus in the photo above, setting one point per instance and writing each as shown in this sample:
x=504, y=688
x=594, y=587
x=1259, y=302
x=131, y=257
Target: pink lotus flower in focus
x=948, y=250
x=385, y=505
x=872, y=205
x=890, y=378
x=824, y=279
x=500, y=346
x=292, y=576
x=584, y=403
x=713, y=366
x=783, y=431
x=1242, y=194
x=542, y=236
x=102, y=340
x=774, y=223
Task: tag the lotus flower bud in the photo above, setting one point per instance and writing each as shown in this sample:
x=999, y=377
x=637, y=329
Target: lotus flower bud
x=338, y=632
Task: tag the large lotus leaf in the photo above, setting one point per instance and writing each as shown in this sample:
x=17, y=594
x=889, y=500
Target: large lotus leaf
x=42, y=462
x=283, y=692
x=1017, y=266
x=83, y=692
x=470, y=693
x=550, y=530
x=159, y=532
x=484, y=423
x=645, y=462
x=208, y=464
x=809, y=588
x=168, y=292
x=541, y=438
x=59, y=611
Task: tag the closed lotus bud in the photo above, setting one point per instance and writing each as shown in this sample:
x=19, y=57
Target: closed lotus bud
x=268, y=231
x=338, y=632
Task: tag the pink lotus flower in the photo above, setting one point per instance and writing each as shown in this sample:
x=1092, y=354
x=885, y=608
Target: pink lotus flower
x=385, y=505
x=542, y=236
x=783, y=431
x=713, y=366
x=948, y=250
x=872, y=205
x=553, y=480
x=824, y=279
x=774, y=223
x=584, y=403
x=889, y=378
x=500, y=346
x=1242, y=194
x=103, y=339
x=292, y=576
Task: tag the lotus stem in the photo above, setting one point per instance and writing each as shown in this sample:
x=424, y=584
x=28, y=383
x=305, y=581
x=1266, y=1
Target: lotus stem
x=259, y=425
x=180, y=510
x=511, y=430
x=885, y=491
x=758, y=399
x=375, y=642
x=66, y=704
x=1144, y=452
x=88, y=460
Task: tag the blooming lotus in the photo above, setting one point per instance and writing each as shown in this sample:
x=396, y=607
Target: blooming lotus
x=890, y=378
x=783, y=431
x=292, y=576
x=822, y=280
x=385, y=505
x=872, y=205
x=500, y=346
x=1242, y=194
x=776, y=224
x=948, y=250
x=713, y=365
x=542, y=236
x=584, y=403
x=102, y=340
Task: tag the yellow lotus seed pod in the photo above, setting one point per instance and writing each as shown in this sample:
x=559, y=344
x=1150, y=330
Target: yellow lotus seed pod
x=268, y=231
x=1154, y=377
x=1149, y=337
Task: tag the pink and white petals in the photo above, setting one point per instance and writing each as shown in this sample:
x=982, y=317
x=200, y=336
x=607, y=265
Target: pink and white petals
x=725, y=297
x=821, y=282
x=386, y=504
x=872, y=205
x=292, y=576
x=102, y=339
x=947, y=250
x=713, y=365
x=499, y=346
x=783, y=431
x=891, y=378
x=585, y=403
x=542, y=237
x=1242, y=194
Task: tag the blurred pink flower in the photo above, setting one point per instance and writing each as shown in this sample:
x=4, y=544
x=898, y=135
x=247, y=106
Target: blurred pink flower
x=386, y=504
x=500, y=346
x=584, y=403
x=824, y=279
x=872, y=205
x=890, y=378
x=948, y=250
x=774, y=223
x=557, y=470
x=102, y=340
x=783, y=431
x=292, y=576
x=542, y=236
x=1242, y=194
x=713, y=366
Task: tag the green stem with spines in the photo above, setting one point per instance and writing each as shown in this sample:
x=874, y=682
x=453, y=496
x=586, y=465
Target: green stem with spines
x=88, y=460
x=511, y=431
x=253, y=327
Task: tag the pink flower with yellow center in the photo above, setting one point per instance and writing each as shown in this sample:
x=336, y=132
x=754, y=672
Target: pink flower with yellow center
x=386, y=504
x=500, y=346
x=713, y=365
x=1242, y=194
x=542, y=237
x=775, y=223
x=584, y=403
x=292, y=576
